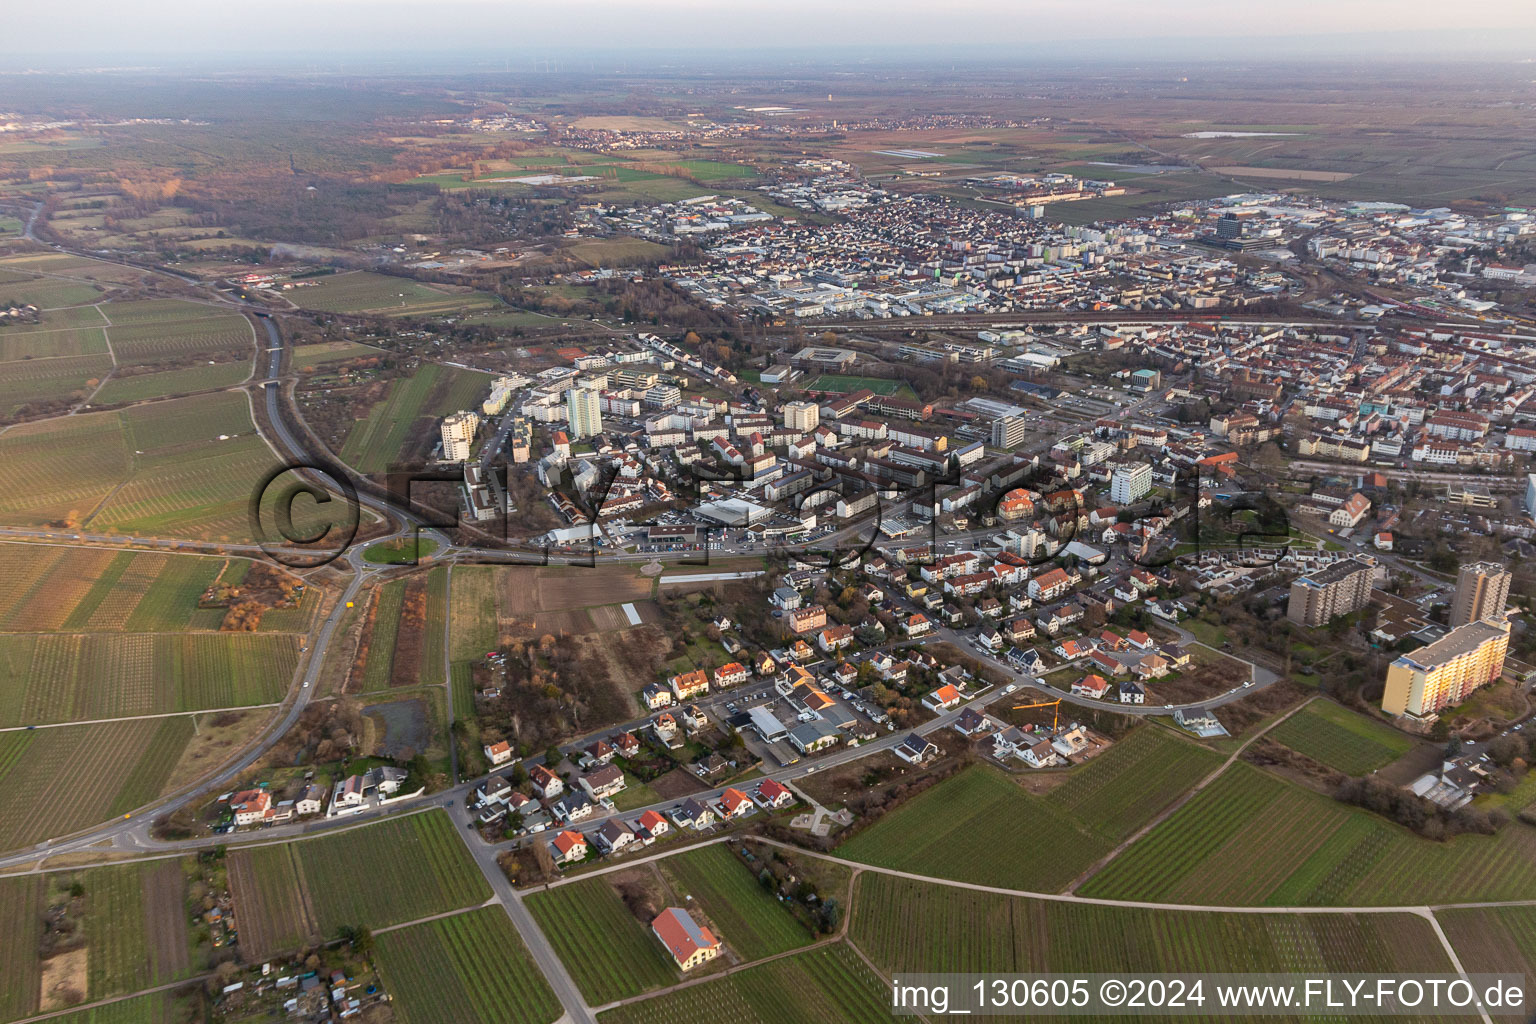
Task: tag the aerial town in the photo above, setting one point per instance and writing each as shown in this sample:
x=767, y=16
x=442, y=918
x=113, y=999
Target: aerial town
x=544, y=551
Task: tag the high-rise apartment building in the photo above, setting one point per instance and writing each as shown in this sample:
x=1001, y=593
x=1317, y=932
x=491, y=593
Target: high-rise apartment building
x=804, y=416
x=583, y=407
x=1482, y=589
x=1130, y=482
x=1422, y=682
x=458, y=434
x=1008, y=432
x=1337, y=589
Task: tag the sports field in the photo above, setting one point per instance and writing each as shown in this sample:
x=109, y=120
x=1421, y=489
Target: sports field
x=409, y=412
x=1341, y=738
x=906, y=925
x=470, y=968
x=1251, y=838
x=838, y=384
x=362, y=292
x=609, y=953
x=826, y=985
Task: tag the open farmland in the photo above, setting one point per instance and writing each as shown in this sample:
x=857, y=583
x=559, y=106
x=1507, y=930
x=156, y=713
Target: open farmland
x=826, y=985
x=414, y=866
x=324, y=352
x=1496, y=939
x=142, y=386
x=905, y=925
x=272, y=903
x=362, y=292
x=67, y=379
x=45, y=588
x=1250, y=838
x=135, y=926
x=70, y=677
x=48, y=293
x=21, y=905
x=224, y=336
x=1121, y=789
x=45, y=794
x=50, y=344
x=159, y=469
x=746, y=917
x=471, y=968
x=410, y=412
x=153, y=1008
x=968, y=828
x=609, y=952
x=1341, y=738
x=159, y=311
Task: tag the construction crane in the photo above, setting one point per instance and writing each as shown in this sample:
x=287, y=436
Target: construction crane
x=1055, y=715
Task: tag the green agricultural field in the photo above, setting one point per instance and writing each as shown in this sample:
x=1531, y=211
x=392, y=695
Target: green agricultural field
x=45, y=588
x=416, y=866
x=469, y=968
x=154, y=1008
x=1341, y=738
x=325, y=352
x=138, y=387
x=1498, y=940
x=79, y=341
x=827, y=985
x=160, y=311
x=272, y=902
x=435, y=630
x=609, y=952
x=221, y=338
x=746, y=917
x=135, y=926
x=381, y=645
x=1121, y=789
x=49, y=293
x=1251, y=838
x=410, y=412
x=361, y=292
x=980, y=827
x=52, y=320
x=907, y=926
x=66, y=379
x=44, y=793
x=21, y=906
x=68, y=677
x=159, y=469
x=626, y=252
x=840, y=384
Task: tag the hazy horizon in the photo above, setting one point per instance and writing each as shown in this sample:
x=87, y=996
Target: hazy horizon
x=169, y=33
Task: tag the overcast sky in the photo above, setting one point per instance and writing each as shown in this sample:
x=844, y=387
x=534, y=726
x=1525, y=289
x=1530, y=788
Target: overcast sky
x=194, y=27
